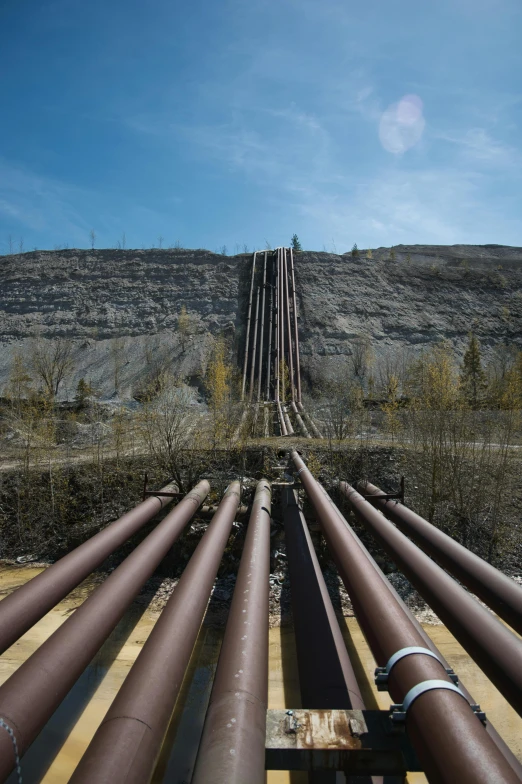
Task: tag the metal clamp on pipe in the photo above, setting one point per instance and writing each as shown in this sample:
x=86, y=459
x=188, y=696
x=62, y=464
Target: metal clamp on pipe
x=399, y=712
x=383, y=673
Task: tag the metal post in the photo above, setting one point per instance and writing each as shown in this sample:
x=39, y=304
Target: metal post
x=261, y=334
x=247, y=337
x=254, y=348
x=232, y=748
x=497, y=590
x=31, y=695
x=288, y=330
x=25, y=606
x=125, y=747
x=495, y=648
x=296, y=332
x=451, y=742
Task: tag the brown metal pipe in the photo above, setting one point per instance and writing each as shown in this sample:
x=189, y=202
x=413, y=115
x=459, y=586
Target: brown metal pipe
x=232, y=749
x=277, y=327
x=497, y=590
x=313, y=427
x=326, y=675
x=270, y=329
x=497, y=651
x=25, y=606
x=288, y=329
x=261, y=333
x=451, y=742
x=490, y=729
x=125, y=747
x=31, y=695
x=254, y=348
x=282, y=424
x=296, y=332
x=247, y=337
x=282, y=317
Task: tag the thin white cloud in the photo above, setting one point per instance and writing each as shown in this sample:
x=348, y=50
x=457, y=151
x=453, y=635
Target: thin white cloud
x=477, y=145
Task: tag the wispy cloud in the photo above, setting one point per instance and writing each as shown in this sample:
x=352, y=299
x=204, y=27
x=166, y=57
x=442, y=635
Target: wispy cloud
x=478, y=145
x=41, y=204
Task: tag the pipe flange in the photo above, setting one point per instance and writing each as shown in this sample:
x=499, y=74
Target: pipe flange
x=382, y=674
x=399, y=712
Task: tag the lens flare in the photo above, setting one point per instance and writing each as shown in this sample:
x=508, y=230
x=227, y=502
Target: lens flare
x=402, y=124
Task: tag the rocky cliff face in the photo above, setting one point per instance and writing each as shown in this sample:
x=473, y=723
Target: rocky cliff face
x=121, y=307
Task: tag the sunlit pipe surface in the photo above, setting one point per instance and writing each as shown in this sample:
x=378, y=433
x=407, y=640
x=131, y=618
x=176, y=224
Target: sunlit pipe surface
x=451, y=742
x=288, y=327
x=31, y=695
x=125, y=748
x=232, y=749
x=247, y=336
x=261, y=332
x=494, y=647
x=25, y=606
x=296, y=332
x=254, y=347
x=490, y=729
x=497, y=590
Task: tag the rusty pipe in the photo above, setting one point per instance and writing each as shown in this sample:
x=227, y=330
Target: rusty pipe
x=127, y=743
x=490, y=729
x=282, y=320
x=232, y=748
x=282, y=424
x=497, y=651
x=261, y=334
x=270, y=328
x=288, y=330
x=247, y=337
x=277, y=327
x=288, y=424
x=300, y=421
x=254, y=348
x=31, y=695
x=451, y=742
x=326, y=675
x=296, y=333
x=497, y=590
x=25, y=606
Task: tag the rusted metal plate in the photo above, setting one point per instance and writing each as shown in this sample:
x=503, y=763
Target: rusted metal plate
x=313, y=729
x=358, y=742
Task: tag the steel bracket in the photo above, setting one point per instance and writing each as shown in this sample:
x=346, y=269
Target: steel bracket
x=382, y=674
x=399, y=712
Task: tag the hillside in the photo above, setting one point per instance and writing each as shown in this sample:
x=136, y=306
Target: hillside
x=121, y=307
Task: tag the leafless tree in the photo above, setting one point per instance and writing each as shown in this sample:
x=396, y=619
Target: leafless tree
x=160, y=241
x=92, y=235
x=224, y=250
x=169, y=427
x=361, y=358
x=51, y=362
x=21, y=245
x=11, y=244
x=245, y=248
x=178, y=245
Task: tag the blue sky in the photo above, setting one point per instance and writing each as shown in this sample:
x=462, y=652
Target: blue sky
x=228, y=122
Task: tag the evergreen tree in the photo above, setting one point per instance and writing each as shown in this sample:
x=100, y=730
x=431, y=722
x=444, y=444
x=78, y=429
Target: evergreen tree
x=355, y=250
x=472, y=376
x=83, y=390
x=296, y=245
